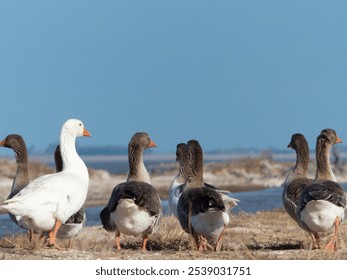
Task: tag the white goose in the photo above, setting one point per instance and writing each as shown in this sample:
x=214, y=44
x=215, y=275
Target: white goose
x=50, y=200
x=323, y=202
x=134, y=207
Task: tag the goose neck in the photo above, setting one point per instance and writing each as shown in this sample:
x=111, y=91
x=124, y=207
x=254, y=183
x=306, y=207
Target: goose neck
x=184, y=172
x=197, y=177
x=22, y=174
x=324, y=171
x=137, y=169
x=71, y=160
x=302, y=161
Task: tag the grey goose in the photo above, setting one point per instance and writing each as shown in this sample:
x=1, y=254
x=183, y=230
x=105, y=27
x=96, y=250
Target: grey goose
x=134, y=207
x=323, y=202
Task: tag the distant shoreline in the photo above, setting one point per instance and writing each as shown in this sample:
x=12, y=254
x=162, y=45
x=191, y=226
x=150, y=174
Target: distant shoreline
x=220, y=157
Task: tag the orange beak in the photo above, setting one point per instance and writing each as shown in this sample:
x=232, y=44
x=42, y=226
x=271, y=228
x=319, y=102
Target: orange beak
x=152, y=144
x=338, y=140
x=2, y=143
x=86, y=133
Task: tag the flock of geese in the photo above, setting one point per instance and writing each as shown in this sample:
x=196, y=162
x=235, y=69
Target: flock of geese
x=319, y=204
x=52, y=205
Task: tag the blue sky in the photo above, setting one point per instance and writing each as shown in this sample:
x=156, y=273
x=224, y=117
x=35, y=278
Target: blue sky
x=231, y=74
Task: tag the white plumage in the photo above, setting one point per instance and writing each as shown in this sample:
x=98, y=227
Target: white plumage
x=320, y=215
x=132, y=219
x=51, y=199
x=210, y=224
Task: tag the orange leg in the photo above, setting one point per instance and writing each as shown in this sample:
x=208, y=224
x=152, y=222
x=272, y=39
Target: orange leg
x=144, y=243
x=332, y=245
x=202, y=244
x=219, y=241
x=53, y=234
x=117, y=241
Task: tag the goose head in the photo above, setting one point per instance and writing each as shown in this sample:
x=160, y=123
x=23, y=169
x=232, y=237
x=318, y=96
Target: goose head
x=181, y=152
x=297, y=142
x=195, y=156
x=328, y=137
x=15, y=142
x=75, y=128
x=71, y=129
x=184, y=163
x=140, y=141
x=325, y=141
x=183, y=160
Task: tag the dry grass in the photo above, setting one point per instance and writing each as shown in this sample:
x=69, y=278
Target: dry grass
x=263, y=235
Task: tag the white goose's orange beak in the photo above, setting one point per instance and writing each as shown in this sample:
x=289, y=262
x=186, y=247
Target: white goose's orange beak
x=86, y=133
